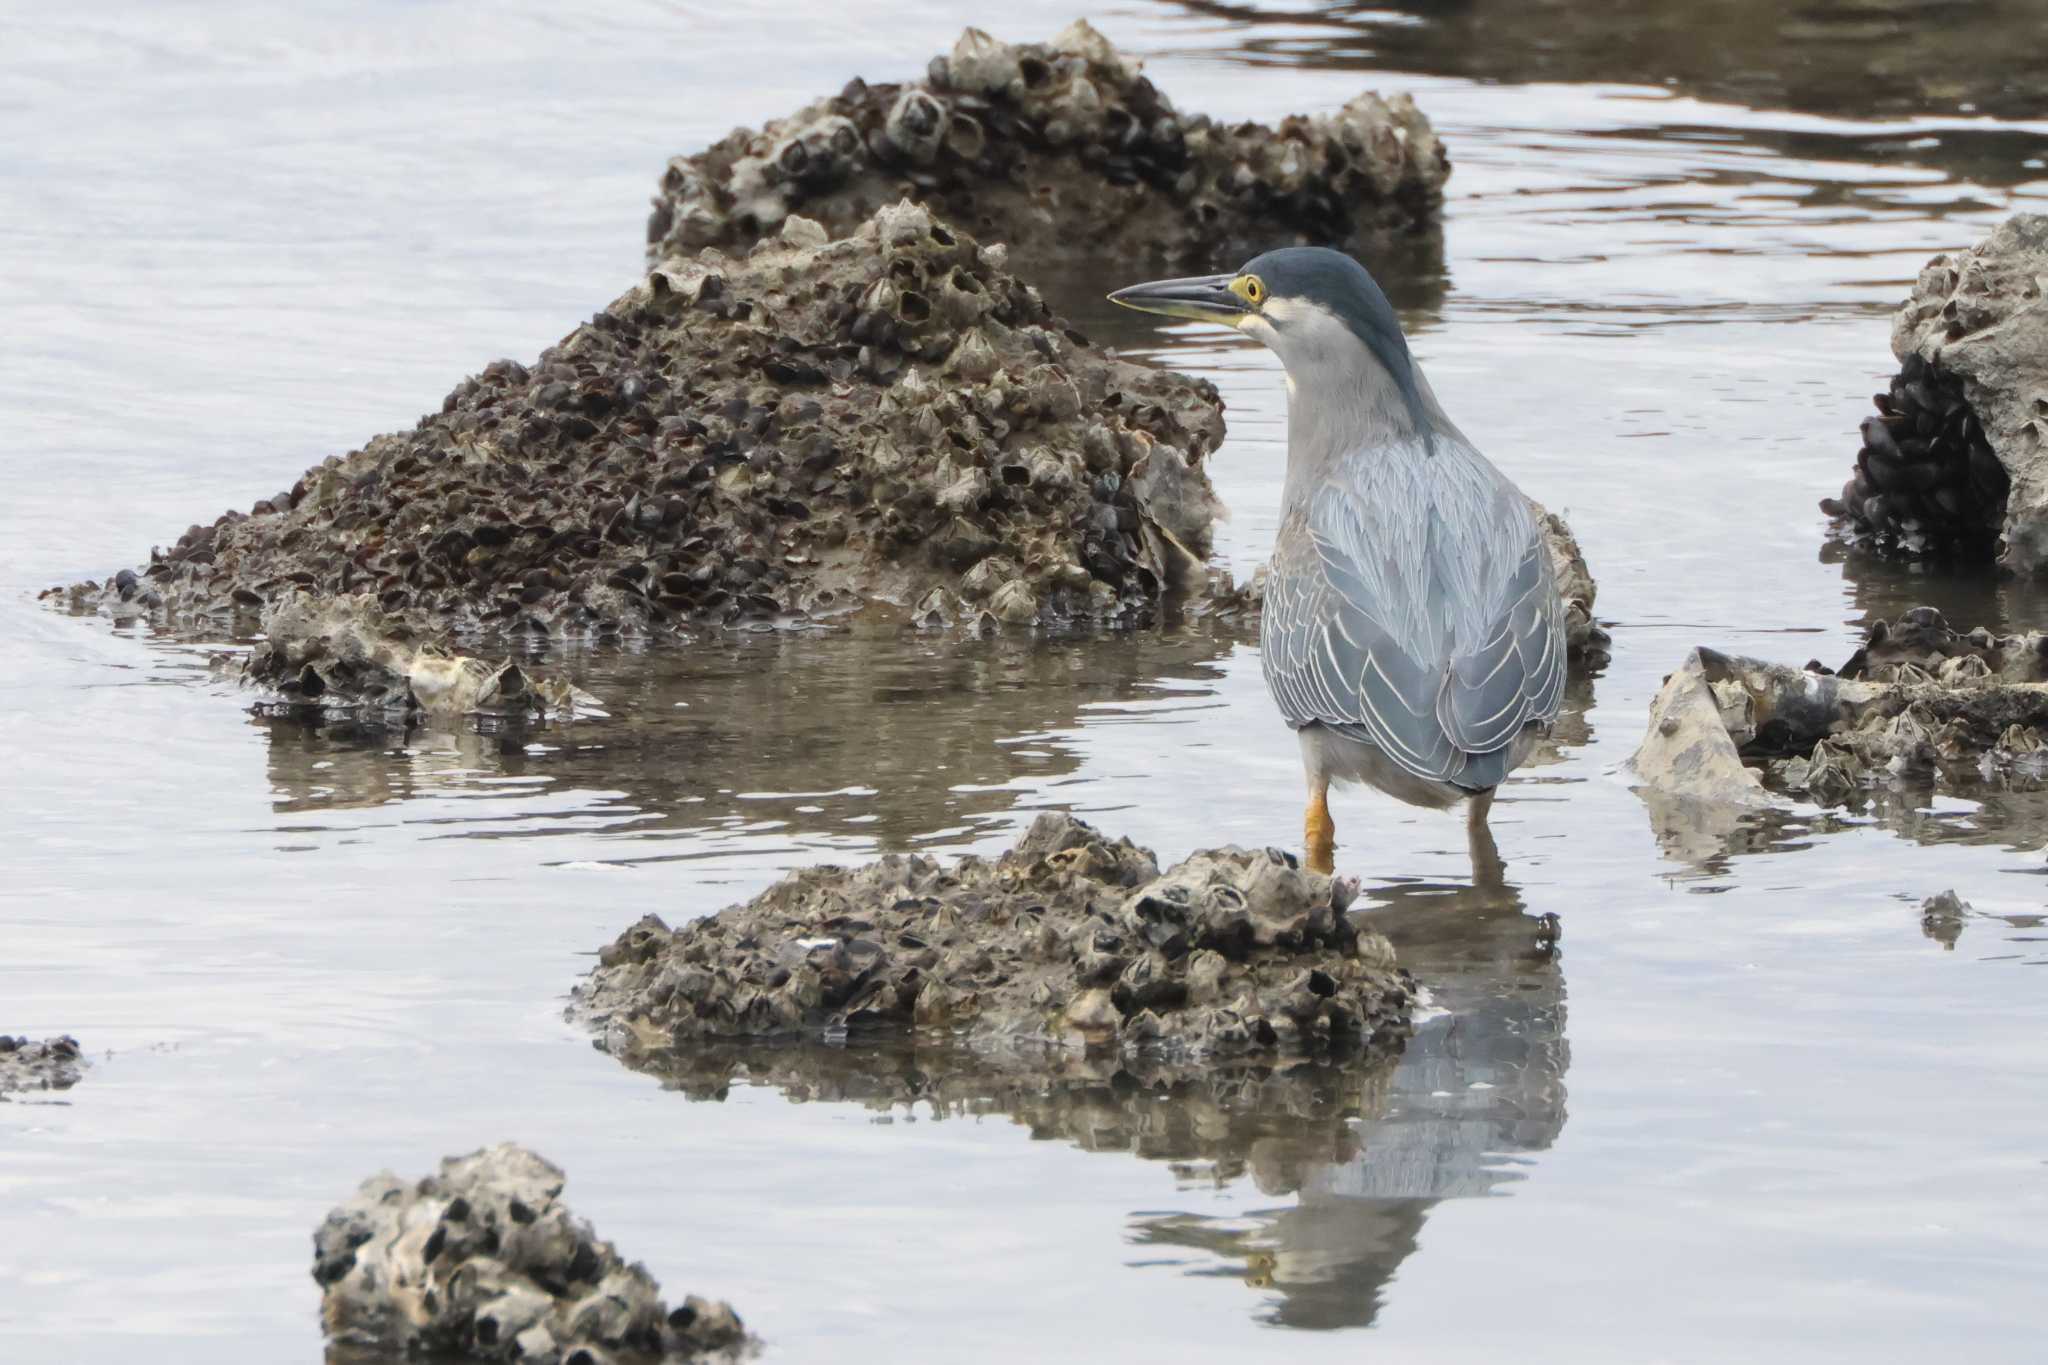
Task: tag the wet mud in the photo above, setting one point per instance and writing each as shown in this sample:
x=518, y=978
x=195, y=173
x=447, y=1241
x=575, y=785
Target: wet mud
x=1955, y=463
x=1062, y=149
x=1919, y=701
x=1068, y=940
x=483, y=1261
x=28, y=1064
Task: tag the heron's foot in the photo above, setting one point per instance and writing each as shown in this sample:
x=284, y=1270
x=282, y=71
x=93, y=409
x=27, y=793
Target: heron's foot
x=1319, y=835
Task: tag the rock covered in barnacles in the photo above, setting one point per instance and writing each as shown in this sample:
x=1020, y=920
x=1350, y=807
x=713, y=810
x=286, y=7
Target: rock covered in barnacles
x=1067, y=940
x=1917, y=700
x=1058, y=149
x=742, y=442
x=483, y=1261
x=1585, y=640
x=1955, y=464
x=45, y=1064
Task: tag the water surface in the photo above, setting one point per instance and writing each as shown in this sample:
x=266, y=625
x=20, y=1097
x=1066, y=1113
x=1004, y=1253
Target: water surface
x=1679, y=1099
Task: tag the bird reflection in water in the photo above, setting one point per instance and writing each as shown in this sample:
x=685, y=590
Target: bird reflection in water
x=1477, y=1094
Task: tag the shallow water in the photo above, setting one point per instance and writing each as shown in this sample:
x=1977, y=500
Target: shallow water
x=1765, y=1114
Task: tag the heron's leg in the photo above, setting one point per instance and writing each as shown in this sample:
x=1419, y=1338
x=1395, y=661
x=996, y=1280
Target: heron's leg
x=1487, y=868
x=1319, y=832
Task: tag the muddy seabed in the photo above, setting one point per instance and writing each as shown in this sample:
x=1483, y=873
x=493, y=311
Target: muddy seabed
x=1743, y=1092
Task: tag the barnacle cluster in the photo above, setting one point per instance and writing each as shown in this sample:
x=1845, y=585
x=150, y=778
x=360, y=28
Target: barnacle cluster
x=1061, y=149
x=1070, y=939
x=483, y=1261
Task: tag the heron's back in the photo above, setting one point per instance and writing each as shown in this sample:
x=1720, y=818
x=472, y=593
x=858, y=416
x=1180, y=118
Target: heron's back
x=1411, y=605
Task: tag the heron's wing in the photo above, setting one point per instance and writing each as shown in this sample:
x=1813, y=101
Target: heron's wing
x=1515, y=673
x=1411, y=604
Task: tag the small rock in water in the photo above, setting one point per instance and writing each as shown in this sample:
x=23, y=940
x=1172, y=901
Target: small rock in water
x=482, y=1261
x=1918, y=699
x=1069, y=940
x=1942, y=916
x=45, y=1064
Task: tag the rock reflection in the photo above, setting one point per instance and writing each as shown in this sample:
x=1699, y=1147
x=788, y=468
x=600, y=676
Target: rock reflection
x=1708, y=837
x=1478, y=1092
x=1880, y=588
x=1225, y=1119
x=889, y=736
x=1366, y=1145
x=1853, y=58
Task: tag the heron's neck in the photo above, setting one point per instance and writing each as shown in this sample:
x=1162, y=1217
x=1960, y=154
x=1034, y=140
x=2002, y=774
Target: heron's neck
x=1336, y=410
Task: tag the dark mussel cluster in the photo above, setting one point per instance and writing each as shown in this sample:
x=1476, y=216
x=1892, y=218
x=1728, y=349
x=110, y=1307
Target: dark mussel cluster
x=483, y=1261
x=1060, y=148
x=1927, y=480
x=750, y=440
x=1069, y=939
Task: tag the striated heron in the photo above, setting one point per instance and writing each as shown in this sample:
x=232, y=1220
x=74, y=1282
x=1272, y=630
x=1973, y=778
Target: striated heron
x=1412, y=631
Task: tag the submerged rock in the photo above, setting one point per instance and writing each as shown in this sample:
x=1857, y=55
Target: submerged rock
x=482, y=1261
x=1917, y=700
x=1067, y=940
x=1061, y=149
x=1955, y=464
x=1942, y=917
x=46, y=1064
x=344, y=655
x=745, y=442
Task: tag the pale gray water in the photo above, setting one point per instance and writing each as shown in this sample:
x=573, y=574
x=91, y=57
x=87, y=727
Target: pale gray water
x=1776, y=1120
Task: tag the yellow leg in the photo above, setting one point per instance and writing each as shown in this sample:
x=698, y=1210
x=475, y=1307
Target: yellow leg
x=1319, y=832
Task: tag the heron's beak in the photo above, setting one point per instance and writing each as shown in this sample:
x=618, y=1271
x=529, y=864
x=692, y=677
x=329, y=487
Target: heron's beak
x=1199, y=298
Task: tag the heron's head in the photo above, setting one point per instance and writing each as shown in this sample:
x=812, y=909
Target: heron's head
x=1318, y=309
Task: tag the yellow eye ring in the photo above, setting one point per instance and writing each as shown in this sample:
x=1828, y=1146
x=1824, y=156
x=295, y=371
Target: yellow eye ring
x=1250, y=288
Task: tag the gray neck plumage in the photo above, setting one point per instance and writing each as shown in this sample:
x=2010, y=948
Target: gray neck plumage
x=1345, y=397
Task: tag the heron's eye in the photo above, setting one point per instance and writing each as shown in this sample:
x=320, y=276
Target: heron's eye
x=1252, y=288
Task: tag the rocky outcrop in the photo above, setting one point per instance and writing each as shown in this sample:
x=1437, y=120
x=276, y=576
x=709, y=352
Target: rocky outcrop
x=46, y=1064
x=745, y=441
x=1061, y=149
x=1068, y=940
x=1918, y=700
x=1955, y=464
x=482, y=1261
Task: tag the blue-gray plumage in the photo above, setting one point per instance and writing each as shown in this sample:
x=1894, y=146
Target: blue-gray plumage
x=1412, y=631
